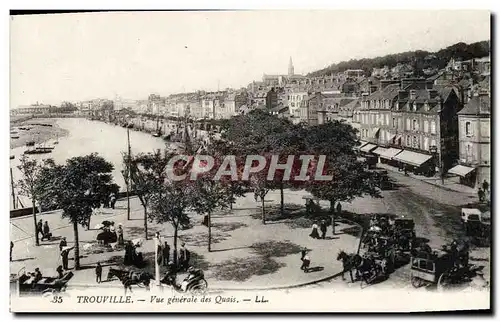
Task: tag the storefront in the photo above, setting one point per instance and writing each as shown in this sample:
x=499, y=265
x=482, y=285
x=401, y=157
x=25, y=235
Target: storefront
x=467, y=174
x=386, y=155
x=415, y=162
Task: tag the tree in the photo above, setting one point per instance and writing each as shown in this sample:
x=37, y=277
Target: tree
x=29, y=185
x=208, y=195
x=349, y=176
x=146, y=172
x=75, y=187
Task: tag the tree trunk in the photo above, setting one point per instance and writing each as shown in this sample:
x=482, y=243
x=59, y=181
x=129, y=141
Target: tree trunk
x=209, y=223
x=176, y=226
x=232, y=199
x=332, y=213
x=37, y=241
x=145, y=222
x=282, y=195
x=263, y=210
x=77, y=248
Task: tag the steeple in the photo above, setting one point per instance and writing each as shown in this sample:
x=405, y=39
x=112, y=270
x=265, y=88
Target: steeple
x=290, y=67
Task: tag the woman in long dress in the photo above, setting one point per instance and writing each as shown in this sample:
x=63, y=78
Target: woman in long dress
x=314, y=232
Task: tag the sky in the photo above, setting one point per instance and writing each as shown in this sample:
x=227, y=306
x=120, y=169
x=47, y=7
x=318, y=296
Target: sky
x=132, y=54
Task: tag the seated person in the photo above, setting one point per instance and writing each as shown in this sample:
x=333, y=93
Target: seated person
x=171, y=275
x=37, y=276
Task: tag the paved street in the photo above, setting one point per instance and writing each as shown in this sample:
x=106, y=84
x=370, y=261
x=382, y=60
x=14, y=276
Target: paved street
x=248, y=253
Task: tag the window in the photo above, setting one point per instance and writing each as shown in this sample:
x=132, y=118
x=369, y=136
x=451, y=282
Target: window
x=414, y=125
x=414, y=106
x=394, y=122
x=387, y=119
x=426, y=143
x=408, y=141
x=433, y=127
x=468, y=129
x=415, y=142
x=433, y=142
x=407, y=124
x=469, y=151
x=373, y=119
x=426, y=126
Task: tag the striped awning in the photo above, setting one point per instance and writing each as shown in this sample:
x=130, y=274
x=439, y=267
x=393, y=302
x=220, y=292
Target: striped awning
x=412, y=158
x=368, y=147
x=461, y=170
x=375, y=132
x=390, y=153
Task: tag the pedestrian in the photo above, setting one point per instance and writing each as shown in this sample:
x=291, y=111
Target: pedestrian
x=98, y=273
x=486, y=185
x=113, y=200
x=11, y=247
x=339, y=208
x=60, y=271
x=306, y=261
x=63, y=243
x=166, y=254
x=480, y=194
x=119, y=231
x=39, y=227
x=322, y=227
x=46, y=231
x=256, y=195
x=314, y=233
x=64, y=256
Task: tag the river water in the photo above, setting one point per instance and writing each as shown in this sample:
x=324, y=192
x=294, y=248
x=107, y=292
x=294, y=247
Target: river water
x=86, y=137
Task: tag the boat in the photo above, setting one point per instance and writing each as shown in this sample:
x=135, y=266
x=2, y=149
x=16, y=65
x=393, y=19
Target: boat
x=30, y=143
x=12, y=157
x=14, y=137
x=38, y=150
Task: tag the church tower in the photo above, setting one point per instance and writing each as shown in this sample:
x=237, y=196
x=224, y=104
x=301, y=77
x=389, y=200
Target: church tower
x=290, y=68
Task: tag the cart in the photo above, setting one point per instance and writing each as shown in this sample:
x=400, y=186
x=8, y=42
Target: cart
x=46, y=287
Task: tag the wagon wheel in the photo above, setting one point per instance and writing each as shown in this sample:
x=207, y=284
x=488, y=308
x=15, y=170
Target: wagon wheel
x=199, y=288
x=443, y=281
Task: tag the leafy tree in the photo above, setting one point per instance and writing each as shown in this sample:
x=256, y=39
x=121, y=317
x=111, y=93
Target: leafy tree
x=350, y=178
x=29, y=185
x=75, y=187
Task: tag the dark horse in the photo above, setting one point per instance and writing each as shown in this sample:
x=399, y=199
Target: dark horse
x=349, y=263
x=129, y=278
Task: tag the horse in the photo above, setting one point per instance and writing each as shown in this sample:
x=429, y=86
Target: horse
x=349, y=263
x=129, y=278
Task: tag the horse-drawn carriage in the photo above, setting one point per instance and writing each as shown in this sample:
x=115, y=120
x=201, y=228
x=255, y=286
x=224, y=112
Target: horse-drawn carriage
x=369, y=267
x=443, y=268
x=477, y=225
x=28, y=285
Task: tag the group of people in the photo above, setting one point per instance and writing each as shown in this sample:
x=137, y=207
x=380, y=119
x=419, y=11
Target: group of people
x=483, y=191
x=322, y=227
x=43, y=229
x=164, y=252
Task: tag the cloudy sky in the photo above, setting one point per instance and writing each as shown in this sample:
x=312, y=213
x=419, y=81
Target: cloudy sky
x=83, y=56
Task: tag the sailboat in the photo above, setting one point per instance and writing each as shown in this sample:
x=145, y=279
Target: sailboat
x=157, y=133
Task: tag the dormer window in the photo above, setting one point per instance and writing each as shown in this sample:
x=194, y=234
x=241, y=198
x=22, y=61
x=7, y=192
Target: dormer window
x=413, y=94
x=426, y=106
x=414, y=107
x=397, y=106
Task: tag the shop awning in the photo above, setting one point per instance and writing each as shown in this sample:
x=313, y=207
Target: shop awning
x=361, y=144
x=390, y=153
x=413, y=158
x=391, y=137
x=461, y=170
x=379, y=150
x=368, y=147
x=398, y=137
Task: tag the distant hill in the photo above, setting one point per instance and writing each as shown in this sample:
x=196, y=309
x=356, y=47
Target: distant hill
x=419, y=59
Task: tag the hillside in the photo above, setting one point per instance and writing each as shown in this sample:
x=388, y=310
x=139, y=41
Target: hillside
x=419, y=59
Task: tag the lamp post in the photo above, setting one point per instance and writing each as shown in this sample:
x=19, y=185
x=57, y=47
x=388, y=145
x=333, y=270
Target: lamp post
x=438, y=163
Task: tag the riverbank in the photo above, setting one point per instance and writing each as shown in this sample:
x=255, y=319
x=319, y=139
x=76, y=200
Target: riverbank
x=36, y=133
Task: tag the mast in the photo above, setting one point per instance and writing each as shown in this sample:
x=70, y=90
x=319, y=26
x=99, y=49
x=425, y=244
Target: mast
x=128, y=174
x=12, y=188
